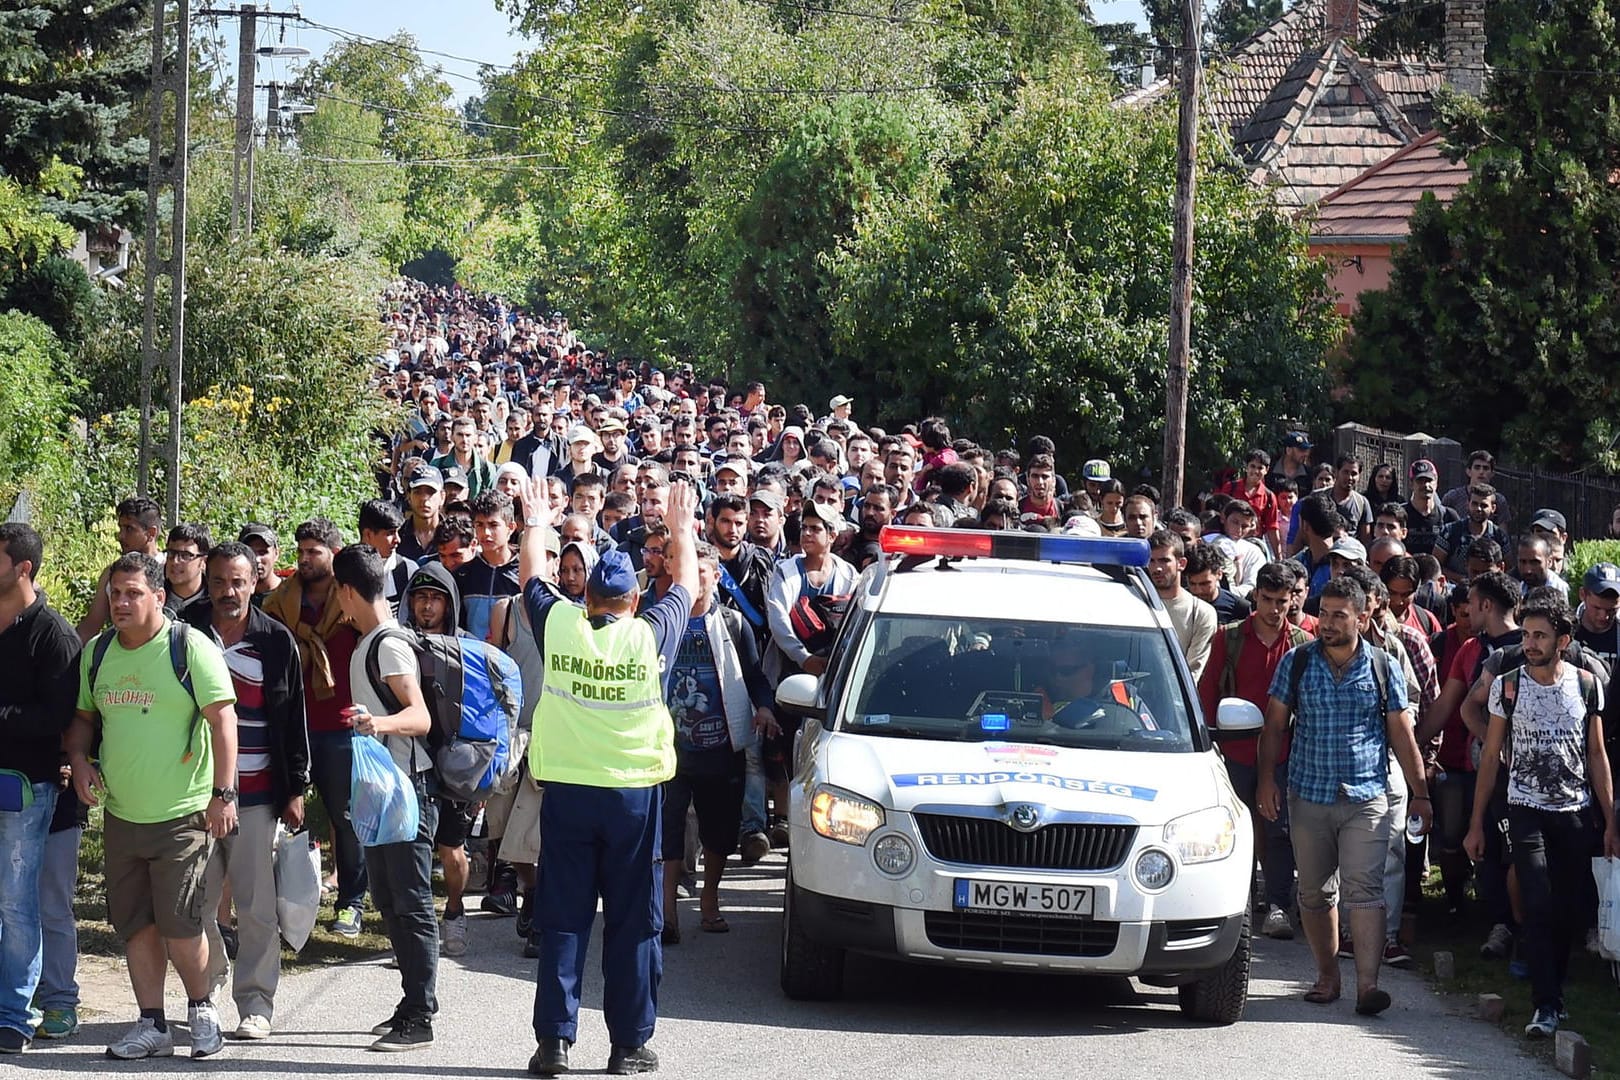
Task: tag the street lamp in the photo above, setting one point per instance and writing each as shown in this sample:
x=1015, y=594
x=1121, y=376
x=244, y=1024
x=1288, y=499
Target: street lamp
x=288, y=51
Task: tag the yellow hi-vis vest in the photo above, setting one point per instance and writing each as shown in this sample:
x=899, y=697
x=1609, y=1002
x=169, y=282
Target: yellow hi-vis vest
x=601, y=721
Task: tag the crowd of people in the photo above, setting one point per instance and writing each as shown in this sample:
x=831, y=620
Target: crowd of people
x=590, y=515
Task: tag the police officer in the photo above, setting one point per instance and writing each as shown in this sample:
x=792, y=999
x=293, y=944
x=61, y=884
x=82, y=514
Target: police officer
x=603, y=743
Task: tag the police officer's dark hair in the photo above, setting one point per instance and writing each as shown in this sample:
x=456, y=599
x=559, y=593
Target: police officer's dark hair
x=492, y=504
x=187, y=533
x=380, y=515
x=1401, y=566
x=320, y=530
x=1495, y=586
x=139, y=562
x=23, y=544
x=145, y=511
x=1344, y=587
x=226, y=550
x=1274, y=577
x=360, y=567
x=1550, y=608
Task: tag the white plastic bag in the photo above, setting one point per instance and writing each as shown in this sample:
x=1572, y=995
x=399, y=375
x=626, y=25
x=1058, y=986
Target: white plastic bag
x=1607, y=874
x=298, y=885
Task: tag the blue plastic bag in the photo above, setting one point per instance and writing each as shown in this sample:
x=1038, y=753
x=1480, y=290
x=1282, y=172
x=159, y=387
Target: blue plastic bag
x=382, y=802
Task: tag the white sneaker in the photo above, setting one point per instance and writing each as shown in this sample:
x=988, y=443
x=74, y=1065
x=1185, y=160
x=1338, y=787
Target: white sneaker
x=206, y=1037
x=252, y=1027
x=453, y=934
x=1277, y=926
x=143, y=1040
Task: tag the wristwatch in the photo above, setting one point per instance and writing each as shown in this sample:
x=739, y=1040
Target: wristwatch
x=225, y=794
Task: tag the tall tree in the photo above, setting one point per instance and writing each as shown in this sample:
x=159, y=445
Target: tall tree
x=1501, y=324
x=1232, y=22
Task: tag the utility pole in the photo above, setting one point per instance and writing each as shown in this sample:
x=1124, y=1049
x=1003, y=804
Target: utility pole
x=1181, y=256
x=166, y=168
x=247, y=66
x=272, y=116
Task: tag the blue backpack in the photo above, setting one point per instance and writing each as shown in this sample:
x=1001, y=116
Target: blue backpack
x=474, y=694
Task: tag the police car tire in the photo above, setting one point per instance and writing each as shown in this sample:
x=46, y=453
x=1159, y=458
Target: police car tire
x=810, y=971
x=1219, y=996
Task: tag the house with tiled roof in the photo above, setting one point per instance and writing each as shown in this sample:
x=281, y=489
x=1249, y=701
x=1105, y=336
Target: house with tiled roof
x=1360, y=225
x=1304, y=111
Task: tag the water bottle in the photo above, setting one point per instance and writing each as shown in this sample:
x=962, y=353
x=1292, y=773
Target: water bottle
x=1414, y=830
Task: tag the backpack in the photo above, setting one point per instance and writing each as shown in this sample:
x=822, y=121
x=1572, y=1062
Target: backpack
x=179, y=660
x=1510, y=691
x=1380, y=666
x=1234, y=649
x=816, y=621
x=474, y=695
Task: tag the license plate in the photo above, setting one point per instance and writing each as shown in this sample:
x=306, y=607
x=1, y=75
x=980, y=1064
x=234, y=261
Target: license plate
x=1071, y=901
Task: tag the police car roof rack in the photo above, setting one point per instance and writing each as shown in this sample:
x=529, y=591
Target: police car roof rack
x=1111, y=555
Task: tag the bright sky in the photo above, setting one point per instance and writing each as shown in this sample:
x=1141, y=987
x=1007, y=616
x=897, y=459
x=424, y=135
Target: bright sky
x=467, y=28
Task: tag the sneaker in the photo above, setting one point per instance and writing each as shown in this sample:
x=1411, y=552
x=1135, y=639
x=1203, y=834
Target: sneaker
x=1498, y=943
x=252, y=1027
x=58, y=1024
x=1395, y=954
x=387, y=1025
x=454, y=932
x=628, y=1060
x=1277, y=925
x=13, y=1041
x=525, y=913
x=143, y=1040
x=499, y=902
x=411, y=1033
x=347, y=923
x=206, y=1036
x=1544, y=1024
x=754, y=847
x=779, y=835
x=1347, y=948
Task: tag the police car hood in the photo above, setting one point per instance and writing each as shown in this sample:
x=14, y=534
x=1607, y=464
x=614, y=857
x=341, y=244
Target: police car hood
x=910, y=774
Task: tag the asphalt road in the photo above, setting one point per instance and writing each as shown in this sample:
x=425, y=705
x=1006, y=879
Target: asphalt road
x=723, y=1016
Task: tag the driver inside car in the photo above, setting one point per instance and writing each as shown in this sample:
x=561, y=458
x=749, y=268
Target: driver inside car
x=1074, y=699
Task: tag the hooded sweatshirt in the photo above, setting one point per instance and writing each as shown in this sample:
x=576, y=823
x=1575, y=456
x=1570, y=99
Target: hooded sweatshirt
x=431, y=575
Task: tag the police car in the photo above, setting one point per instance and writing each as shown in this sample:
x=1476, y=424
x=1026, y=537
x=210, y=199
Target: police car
x=1005, y=766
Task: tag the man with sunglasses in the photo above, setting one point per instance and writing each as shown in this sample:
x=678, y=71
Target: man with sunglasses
x=183, y=568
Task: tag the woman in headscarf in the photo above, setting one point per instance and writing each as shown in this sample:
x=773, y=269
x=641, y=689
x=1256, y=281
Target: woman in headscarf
x=574, y=569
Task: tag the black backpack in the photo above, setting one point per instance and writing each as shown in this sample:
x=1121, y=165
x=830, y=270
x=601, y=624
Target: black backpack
x=179, y=660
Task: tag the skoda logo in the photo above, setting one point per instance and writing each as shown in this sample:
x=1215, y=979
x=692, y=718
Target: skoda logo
x=1024, y=817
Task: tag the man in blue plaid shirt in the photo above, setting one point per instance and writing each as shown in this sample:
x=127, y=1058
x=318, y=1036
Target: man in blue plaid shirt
x=1350, y=714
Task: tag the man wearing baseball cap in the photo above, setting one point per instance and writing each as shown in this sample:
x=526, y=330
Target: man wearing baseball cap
x=1551, y=526
x=1426, y=515
x=603, y=742
x=1095, y=473
x=266, y=547
x=1294, y=463
x=424, y=492
x=1596, y=627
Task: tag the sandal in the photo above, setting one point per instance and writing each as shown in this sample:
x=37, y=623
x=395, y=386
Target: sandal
x=1316, y=995
x=715, y=924
x=1373, y=1002
x=671, y=935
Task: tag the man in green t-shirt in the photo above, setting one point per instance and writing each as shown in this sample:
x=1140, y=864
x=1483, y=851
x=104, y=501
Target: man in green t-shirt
x=166, y=779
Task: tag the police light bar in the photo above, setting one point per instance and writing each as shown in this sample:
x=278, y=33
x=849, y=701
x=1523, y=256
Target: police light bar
x=1034, y=547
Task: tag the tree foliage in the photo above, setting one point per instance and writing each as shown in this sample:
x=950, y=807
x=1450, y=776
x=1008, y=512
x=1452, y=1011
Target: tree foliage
x=1501, y=324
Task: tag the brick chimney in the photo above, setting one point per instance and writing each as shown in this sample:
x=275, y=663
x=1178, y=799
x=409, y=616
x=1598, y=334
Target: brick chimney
x=1465, y=45
x=1342, y=18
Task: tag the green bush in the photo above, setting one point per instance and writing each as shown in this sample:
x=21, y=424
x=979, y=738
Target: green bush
x=34, y=398
x=1582, y=557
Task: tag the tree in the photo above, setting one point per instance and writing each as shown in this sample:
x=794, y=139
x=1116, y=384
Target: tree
x=69, y=73
x=1501, y=323
x=1418, y=27
x=1234, y=21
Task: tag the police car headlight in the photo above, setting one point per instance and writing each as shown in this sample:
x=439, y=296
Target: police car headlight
x=1154, y=870
x=894, y=855
x=1206, y=836
x=845, y=817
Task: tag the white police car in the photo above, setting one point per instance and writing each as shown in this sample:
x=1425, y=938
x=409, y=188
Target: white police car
x=1005, y=766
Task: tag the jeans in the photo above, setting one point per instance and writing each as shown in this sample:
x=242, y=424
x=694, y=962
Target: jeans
x=22, y=852
x=753, y=817
x=1552, y=852
x=331, y=760
x=58, y=973
x=402, y=887
x=1276, y=853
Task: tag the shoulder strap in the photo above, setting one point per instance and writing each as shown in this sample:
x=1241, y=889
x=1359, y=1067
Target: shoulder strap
x=379, y=684
x=180, y=661
x=1380, y=666
x=1589, y=690
x=1296, y=672
x=1510, y=693
x=738, y=597
x=104, y=642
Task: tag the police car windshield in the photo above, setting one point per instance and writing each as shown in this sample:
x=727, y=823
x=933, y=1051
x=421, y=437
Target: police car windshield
x=984, y=680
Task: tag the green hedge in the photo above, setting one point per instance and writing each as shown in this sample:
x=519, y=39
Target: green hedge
x=1584, y=555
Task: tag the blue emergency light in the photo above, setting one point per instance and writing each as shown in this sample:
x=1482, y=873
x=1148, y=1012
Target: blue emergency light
x=1033, y=547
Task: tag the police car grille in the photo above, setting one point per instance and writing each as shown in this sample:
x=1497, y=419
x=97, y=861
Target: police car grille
x=1035, y=935
x=983, y=842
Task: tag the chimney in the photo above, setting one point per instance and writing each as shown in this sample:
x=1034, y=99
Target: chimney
x=1341, y=18
x=1465, y=46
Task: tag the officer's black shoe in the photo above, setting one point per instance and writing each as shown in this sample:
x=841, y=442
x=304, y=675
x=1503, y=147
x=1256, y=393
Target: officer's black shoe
x=550, y=1058
x=628, y=1060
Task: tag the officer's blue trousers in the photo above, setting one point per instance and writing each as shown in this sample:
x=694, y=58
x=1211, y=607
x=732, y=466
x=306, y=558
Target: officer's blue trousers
x=599, y=842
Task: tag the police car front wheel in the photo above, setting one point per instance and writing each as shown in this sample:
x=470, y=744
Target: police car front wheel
x=810, y=971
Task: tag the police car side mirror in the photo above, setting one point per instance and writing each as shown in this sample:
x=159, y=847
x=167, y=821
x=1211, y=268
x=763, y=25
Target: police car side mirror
x=1235, y=716
x=797, y=694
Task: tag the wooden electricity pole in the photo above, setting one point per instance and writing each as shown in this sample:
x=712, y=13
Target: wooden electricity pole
x=1181, y=270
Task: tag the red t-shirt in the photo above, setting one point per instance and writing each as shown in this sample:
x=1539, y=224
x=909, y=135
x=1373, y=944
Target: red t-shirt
x=1251, y=680
x=1454, y=738
x=1264, y=502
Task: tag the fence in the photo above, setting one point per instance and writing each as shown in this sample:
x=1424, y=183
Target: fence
x=1586, y=500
